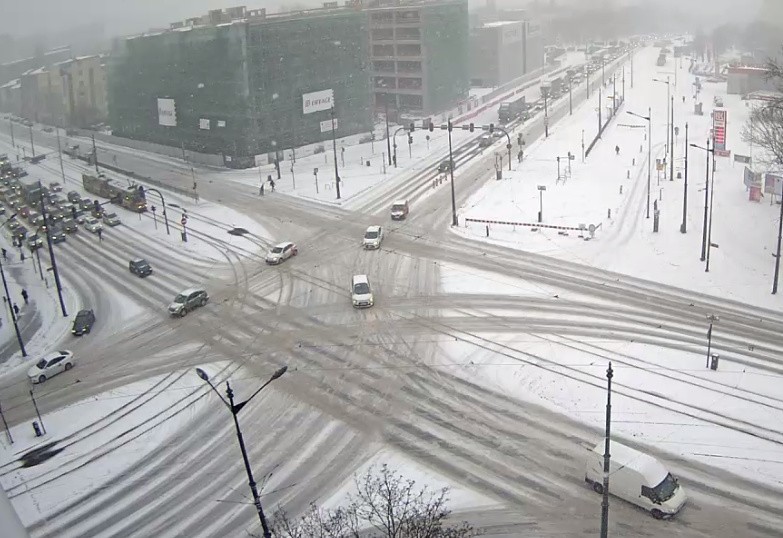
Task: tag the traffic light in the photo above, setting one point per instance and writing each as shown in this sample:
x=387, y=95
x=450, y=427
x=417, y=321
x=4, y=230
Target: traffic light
x=491, y=128
x=141, y=190
x=471, y=127
x=432, y=127
x=412, y=127
x=96, y=206
x=410, y=140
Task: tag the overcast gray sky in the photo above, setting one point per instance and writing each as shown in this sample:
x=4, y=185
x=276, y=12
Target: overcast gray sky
x=24, y=17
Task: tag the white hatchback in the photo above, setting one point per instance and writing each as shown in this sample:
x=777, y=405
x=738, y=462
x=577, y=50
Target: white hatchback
x=51, y=365
x=91, y=224
x=361, y=293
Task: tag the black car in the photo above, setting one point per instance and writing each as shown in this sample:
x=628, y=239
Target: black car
x=69, y=226
x=140, y=267
x=74, y=197
x=57, y=234
x=85, y=204
x=444, y=166
x=83, y=322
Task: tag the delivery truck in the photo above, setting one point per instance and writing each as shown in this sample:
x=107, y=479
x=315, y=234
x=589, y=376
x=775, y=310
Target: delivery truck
x=636, y=477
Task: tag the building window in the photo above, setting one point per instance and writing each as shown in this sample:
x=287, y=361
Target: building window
x=411, y=102
x=409, y=50
x=383, y=66
x=409, y=84
x=409, y=33
x=409, y=67
x=383, y=50
x=408, y=16
x=382, y=34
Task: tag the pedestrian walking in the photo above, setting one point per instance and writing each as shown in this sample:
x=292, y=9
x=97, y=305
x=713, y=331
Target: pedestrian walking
x=272, y=184
x=100, y=235
x=25, y=296
x=261, y=190
x=5, y=255
x=16, y=309
x=21, y=254
x=520, y=155
x=617, y=150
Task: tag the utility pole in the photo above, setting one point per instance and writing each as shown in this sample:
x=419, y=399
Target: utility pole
x=388, y=142
x=60, y=154
x=684, y=226
x=777, y=255
x=13, y=314
x=671, y=138
x=32, y=144
x=546, y=115
x=649, y=157
x=706, y=205
x=95, y=154
x=570, y=99
x=13, y=143
x=454, y=221
x=53, y=260
x=600, y=105
x=334, y=149
x=668, y=92
x=607, y=455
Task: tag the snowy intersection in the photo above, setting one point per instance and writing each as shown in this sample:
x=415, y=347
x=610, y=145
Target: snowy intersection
x=483, y=344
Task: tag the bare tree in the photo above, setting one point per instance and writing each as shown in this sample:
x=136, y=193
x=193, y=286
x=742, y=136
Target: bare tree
x=765, y=125
x=386, y=505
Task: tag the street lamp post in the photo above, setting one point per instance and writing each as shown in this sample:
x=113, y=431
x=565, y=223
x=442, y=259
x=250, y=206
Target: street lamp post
x=163, y=201
x=706, y=198
x=709, y=226
x=712, y=318
x=649, y=151
x=777, y=254
x=235, y=409
x=668, y=92
x=607, y=455
x=570, y=98
x=334, y=149
x=388, y=142
x=684, y=226
x=454, y=221
x=546, y=116
x=57, y=282
x=541, y=189
x=10, y=303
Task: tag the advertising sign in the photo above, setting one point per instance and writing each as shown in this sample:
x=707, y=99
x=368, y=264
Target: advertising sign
x=742, y=158
x=317, y=101
x=203, y=124
x=326, y=126
x=773, y=184
x=751, y=179
x=719, y=129
x=167, y=112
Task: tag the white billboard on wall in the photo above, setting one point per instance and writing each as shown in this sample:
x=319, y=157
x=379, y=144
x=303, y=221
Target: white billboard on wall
x=317, y=101
x=203, y=124
x=326, y=126
x=167, y=112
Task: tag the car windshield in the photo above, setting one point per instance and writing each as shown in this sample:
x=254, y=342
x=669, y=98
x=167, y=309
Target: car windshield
x=277, y=250
x=181, y=298
x=361, y=288
x=665, y=490
x=41, y=364
x=111, y=216
x=371, y=235
x=398, y=207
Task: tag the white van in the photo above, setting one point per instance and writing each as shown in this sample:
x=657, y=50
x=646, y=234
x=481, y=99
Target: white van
x=637, y=478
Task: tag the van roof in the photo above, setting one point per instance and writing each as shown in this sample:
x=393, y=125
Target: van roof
x=360, y=278
x=651, y=469
x=400, y=202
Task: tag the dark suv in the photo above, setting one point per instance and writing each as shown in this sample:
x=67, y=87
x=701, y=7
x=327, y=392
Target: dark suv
x=140, y=267
x=188, y=300
x=83, y=322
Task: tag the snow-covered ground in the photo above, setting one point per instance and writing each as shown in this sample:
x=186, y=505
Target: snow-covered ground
x=94, y=440
x=608, y=190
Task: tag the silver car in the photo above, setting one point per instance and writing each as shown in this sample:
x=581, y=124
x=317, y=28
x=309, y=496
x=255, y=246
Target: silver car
x=188, y=300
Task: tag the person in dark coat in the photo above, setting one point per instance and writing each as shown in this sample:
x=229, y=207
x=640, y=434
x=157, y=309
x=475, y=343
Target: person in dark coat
x=25, y=296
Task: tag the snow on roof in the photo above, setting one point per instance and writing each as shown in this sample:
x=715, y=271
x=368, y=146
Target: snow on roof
x=651, y=469
x=11, y=83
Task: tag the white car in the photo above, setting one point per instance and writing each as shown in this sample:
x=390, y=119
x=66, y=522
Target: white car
x=111, y=219
x=361, y=293
x=51, y=365
x=91, y=224
x=280, y=253
x=373, y=237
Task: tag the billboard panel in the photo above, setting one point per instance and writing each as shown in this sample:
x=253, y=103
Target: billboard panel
x=326, y=126
x=167, y=112
x=773, y=184
x=719, y=129
x=317, y=101
x=203, y=124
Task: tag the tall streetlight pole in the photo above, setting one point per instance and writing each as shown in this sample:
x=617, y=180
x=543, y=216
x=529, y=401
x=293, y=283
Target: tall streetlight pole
x=607, y=455
x=706, y=198
x=52, y=259
x=13, y=143
x=235, y=409
x=668, y=93
x=777, y=254
x=32, y=144
x=649, y=151
x=684, y=225
x=546, y=115
x=570, y=98
x=334, y=149
x=454, y=221
x=709, y=227
x=10, y=303
x=388, y=142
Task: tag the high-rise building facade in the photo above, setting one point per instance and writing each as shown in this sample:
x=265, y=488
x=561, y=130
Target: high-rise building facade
x=419, y=55
x=243, y=87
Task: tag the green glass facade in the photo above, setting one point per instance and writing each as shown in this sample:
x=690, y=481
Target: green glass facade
x=238, y=87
